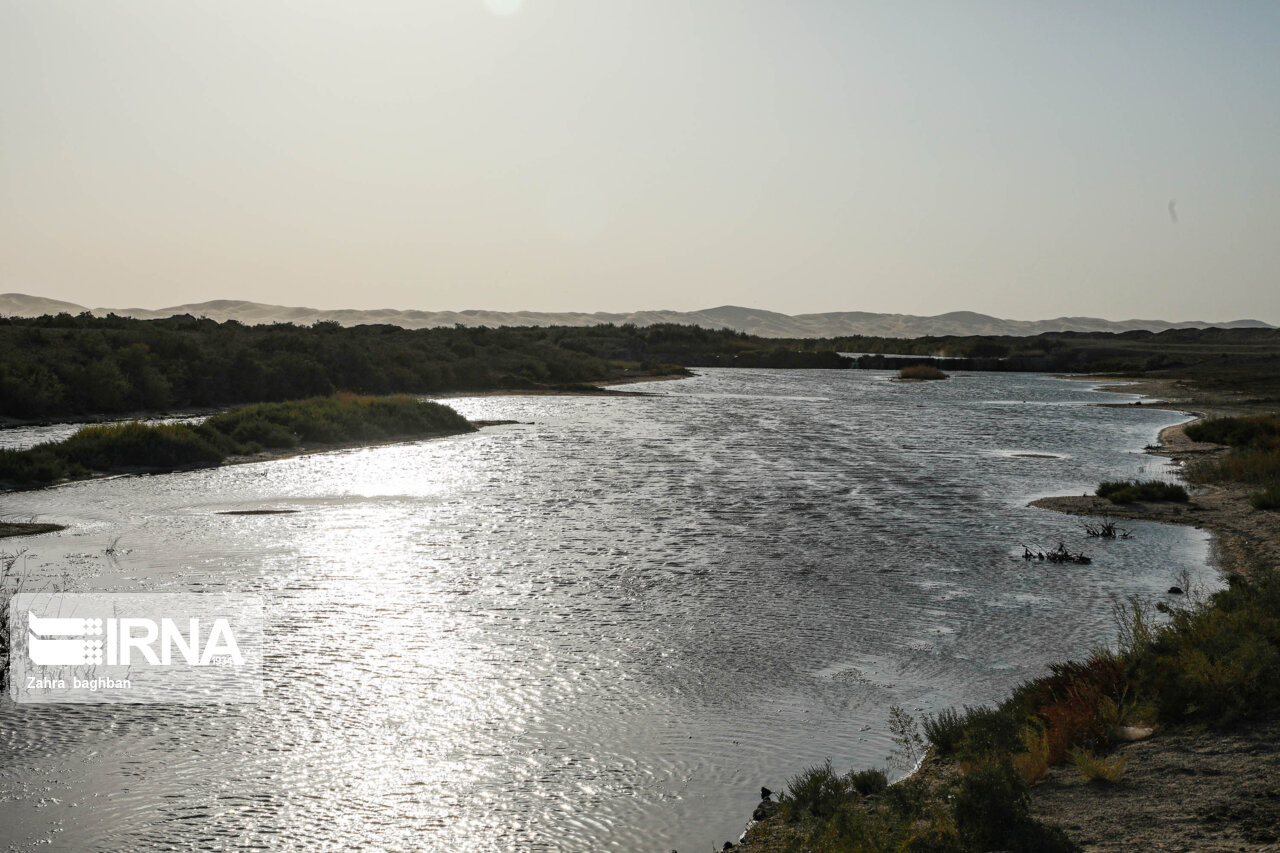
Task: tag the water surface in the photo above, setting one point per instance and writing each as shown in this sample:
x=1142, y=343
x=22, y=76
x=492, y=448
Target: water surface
x=601, y=630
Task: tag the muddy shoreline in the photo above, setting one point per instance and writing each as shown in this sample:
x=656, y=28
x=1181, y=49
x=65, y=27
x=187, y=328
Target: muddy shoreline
x=1243, y=536
x=1185, y=789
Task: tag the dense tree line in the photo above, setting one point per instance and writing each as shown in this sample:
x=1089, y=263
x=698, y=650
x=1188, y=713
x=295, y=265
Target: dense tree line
x=1192, y=351
x=62, y=365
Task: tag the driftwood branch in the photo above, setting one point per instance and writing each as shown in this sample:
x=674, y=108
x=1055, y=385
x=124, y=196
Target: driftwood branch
x=1061, y=554
x=1107, y=530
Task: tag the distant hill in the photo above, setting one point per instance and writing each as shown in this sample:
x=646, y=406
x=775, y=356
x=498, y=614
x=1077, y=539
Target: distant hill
x=751, y=320
x=21, y=305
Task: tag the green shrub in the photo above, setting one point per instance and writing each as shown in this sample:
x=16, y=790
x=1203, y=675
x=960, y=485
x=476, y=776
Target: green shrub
x=38, y=464
x=907, y=798
x=1033, y=764
x=112, y=447
x=256, y=431
x=1129, y=491
x=865, y=830
x=978, y=732
x=944, y=730
x=850, y=828
x=816, y=791
x=867, y=782
x=1236, y=432
x=992, y=811
x=1254, y=458
x=935, y=839
x=988, y=732
x=1218, y=662
x=138, y=445
x=338, y=419
x=1256, y=465
x=908, y=744
x=1136, y=628
x=988, y=803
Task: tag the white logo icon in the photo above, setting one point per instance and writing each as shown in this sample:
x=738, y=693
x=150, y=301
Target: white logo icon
x=134, y=648
x=63, y=642
x=55, y=641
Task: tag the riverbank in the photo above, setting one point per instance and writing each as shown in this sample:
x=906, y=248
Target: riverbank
x=1186, y=789
x=1183, y=790
x=1243, y=536
x=1189, y=787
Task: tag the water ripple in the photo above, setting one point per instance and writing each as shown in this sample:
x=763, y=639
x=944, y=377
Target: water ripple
x=602, y=631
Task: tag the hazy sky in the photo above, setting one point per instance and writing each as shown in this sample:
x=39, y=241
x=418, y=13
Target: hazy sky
x=1014, y=158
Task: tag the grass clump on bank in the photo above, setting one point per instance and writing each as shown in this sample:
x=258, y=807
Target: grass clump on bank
x=922, y=371
x=1268, y=498
x=139, y=447
x=1253, y=465
x=986, y=808
x=1254, y=458
x=111, y=448
x=1235, y=432
x=1131, y=491
x=1099, y=769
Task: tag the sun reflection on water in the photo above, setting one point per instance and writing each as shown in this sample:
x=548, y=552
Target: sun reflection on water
x=600, y=631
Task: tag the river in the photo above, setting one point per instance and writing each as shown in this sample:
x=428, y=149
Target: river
x=601, y=629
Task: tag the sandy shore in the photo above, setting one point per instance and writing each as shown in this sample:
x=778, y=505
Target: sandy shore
x=1185, y=790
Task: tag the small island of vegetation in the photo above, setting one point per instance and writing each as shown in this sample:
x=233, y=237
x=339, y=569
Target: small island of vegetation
x=1133, y=491
x=921, y=372
x=135, y=447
